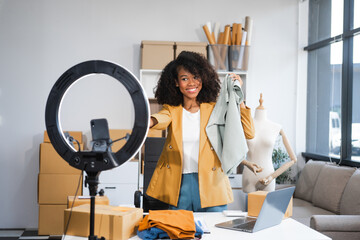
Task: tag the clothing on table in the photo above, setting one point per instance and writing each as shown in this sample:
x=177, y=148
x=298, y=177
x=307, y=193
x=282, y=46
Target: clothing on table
x=178, y=224
x=152, y=233
x=224, y=128
x=157, y=233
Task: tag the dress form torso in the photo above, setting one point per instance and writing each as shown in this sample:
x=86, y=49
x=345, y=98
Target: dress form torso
x=260, y=152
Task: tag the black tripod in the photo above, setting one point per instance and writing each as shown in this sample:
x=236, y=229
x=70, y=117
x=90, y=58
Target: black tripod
x=92, y=180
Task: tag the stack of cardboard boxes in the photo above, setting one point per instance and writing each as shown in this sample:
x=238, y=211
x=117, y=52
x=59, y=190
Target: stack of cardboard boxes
x=56, y=181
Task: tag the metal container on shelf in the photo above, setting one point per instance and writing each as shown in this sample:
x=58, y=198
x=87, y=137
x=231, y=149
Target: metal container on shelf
x=218, y=56
x=239, y=57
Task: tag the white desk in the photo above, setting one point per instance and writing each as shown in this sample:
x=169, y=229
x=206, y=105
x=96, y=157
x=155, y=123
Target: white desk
x=288, y=229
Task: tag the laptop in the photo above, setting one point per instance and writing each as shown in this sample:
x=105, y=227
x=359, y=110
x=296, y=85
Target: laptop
x=271, y=213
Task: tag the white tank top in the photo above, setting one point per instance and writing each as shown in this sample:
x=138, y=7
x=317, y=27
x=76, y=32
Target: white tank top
x=191, y=137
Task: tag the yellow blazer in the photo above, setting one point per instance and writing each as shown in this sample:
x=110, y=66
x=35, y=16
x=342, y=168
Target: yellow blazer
x=214, y=185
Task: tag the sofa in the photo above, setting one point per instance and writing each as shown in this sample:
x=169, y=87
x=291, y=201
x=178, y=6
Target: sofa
x=327, y=198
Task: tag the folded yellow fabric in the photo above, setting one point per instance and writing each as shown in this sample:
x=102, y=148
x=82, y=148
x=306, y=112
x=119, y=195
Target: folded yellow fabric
x=178, y=224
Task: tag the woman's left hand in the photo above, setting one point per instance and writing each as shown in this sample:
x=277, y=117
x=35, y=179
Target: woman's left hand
x=235, y=77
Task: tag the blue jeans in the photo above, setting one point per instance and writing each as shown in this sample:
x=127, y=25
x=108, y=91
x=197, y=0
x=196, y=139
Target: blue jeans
x=189, y=198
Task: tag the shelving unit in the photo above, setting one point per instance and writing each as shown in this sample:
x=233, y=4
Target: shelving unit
x=149, y=79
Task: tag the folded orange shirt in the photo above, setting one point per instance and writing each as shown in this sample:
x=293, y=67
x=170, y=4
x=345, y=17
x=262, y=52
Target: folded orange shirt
x=178, y=224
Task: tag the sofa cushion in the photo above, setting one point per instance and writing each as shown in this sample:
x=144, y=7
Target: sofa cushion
x=303, y=210
x=330, y=186
x=306, y=182
x=350, y=201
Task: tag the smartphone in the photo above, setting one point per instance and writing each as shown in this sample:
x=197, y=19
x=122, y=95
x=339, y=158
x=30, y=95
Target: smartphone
x=100, y=134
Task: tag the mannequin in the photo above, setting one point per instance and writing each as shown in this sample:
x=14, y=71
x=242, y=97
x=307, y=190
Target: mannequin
x=260, y=152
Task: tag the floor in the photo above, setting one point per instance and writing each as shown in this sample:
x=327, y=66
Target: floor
x=28, y=234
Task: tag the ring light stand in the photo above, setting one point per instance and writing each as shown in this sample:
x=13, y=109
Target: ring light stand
x=93, y=162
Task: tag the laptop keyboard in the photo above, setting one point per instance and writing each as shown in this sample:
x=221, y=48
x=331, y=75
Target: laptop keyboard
x=248, y=226
x=243, y=220
x=245, y=224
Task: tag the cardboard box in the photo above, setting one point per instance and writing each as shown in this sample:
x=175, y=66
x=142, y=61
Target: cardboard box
x=256, y=200
x=156, y=54
x=55, y=188
x=51, y=162
x=199, y=47
x=117, y=134
x=51, y=219
x=81, y=200
x=110, y=222
x=75, y=134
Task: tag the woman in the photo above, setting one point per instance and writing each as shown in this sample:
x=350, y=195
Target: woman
x=188, y=174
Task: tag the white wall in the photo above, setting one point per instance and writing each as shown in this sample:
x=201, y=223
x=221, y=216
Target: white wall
x=40, y=39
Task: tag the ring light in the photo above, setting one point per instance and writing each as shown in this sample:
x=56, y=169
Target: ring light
x=97, y=161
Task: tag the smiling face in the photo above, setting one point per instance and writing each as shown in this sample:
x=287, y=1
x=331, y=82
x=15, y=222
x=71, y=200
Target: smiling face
x=189, y=84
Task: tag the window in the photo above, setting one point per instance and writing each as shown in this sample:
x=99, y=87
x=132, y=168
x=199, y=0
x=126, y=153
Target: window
x=333, y=101
x=324, y=97
x=356, y=14
x=355, y=127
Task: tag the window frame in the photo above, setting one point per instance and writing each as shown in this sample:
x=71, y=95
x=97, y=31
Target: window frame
x=346, y=86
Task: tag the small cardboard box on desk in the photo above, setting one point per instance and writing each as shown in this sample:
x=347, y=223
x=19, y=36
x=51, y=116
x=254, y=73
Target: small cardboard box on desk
x=256, y=200
x=110, y=222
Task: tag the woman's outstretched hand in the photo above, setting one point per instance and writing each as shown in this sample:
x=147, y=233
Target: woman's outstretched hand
x=153, y=122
